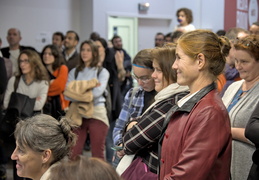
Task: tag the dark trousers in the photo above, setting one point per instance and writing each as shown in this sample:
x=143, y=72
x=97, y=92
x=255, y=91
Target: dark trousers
x=109, y=143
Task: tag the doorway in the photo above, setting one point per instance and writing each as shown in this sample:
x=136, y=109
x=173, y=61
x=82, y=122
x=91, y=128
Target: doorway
x=126, y=28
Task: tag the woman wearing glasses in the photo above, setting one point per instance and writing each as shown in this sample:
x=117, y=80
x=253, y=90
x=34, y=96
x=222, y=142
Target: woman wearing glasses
x=143, y=95
x=144, y=132
x=137, y=99
x=32, y=80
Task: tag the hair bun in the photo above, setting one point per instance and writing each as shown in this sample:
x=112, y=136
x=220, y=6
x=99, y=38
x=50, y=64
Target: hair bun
x=67, y=128
x=225, y=45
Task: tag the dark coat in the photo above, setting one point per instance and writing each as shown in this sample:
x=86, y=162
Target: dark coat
x=6, y=53
x=73, y=61
x=252, y=133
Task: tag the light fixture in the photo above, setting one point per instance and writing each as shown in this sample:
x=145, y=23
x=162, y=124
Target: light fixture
x=143, y=6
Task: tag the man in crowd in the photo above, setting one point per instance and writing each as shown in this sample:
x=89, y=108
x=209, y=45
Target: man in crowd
x=118, y=63
x=58, y=39
x=159, y=39
x=13, y=50
x=70, y=53
x=254, y=29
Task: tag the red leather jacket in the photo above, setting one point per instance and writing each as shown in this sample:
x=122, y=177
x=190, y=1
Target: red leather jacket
x=197, y=141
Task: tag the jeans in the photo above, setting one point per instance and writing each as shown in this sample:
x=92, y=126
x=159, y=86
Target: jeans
x=109, y=143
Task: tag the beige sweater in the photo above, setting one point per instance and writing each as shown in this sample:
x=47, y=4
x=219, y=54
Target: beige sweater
x=80, y=91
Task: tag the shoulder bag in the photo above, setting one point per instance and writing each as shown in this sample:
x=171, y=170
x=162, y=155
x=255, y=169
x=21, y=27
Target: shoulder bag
x=20, y=106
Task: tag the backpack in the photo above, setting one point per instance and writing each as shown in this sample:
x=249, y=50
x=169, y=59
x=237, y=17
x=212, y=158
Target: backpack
x=106, y=94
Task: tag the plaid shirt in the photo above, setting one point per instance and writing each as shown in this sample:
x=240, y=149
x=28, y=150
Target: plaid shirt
x=143, y=138
x=127, y=112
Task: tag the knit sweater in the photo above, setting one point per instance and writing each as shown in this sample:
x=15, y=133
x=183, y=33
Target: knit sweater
x=239, y=115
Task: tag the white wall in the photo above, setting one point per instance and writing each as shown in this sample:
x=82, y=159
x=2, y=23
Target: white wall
x=37, y=18
x=161, y=16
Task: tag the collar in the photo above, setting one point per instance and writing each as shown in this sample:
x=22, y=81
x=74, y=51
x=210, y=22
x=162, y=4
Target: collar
x=196, y=98
x=68, y=56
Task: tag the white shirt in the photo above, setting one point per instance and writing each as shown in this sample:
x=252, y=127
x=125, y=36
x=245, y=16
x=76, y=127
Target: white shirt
x=187, y=28
x=14, y=54
x=68, y=56
x=185, y=99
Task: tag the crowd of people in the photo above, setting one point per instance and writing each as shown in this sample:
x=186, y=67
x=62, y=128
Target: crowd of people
x=193, y=115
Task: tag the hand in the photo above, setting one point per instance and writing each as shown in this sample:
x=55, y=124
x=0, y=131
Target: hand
x=119, y=58
x=120, y=153
x=131, y=125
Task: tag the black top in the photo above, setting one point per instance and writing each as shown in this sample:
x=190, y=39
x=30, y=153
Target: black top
x=148, y=99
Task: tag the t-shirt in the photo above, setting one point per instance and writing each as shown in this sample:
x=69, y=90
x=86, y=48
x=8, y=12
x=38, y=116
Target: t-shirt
x=187, y=28
x=14, y=54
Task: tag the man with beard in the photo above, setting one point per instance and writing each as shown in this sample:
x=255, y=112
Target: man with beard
x=159, y=39
x=58, y=39
x=118, y=63
x=70, y=53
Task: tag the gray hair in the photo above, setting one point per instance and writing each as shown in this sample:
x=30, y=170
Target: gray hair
x=42, y=132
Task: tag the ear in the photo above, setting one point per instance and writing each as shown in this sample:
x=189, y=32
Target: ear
x=46, y=155
x=201, y=60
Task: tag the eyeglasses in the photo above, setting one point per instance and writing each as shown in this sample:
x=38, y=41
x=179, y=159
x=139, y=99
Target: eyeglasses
x=159, y=39
x=25, y=61
x=144, y=79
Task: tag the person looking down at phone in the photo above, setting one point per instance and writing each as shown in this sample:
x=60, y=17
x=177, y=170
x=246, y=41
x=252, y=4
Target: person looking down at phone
x=144, y=132
x=137, y=99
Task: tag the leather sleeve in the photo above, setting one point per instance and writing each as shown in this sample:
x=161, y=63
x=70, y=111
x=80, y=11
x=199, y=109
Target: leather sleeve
x=206, y=135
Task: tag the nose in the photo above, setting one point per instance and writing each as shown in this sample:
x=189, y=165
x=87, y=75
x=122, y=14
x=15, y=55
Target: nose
x=140, y=83
x=14, y=155
x=238, y=65
x=153, y=75
x=174, y=66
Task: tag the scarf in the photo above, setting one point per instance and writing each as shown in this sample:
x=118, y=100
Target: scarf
x=166, y=93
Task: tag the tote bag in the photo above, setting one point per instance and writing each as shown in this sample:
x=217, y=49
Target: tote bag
x=138, y=170
x=20, y=106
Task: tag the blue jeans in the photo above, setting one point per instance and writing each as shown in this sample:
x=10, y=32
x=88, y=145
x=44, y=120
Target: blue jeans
x=109, y=143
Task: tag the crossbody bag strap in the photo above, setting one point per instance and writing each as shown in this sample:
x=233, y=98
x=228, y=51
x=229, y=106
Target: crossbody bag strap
x=134, y=91
x=16, y=82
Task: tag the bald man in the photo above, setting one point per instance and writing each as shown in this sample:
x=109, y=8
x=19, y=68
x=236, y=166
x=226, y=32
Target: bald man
x=13, y=50
x=254, y=29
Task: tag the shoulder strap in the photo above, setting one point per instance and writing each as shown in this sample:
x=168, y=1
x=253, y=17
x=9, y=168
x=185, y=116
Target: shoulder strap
x=76, y=73
x=16, y=82
x=99, y=70
x=134, y=91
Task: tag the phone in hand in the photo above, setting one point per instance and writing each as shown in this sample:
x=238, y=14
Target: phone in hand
x=117, y=148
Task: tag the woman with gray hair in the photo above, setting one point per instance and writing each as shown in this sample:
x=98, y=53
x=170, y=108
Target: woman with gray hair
x=41, y=142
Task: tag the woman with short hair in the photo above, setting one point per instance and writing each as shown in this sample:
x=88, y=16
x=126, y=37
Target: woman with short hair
x=240, y=99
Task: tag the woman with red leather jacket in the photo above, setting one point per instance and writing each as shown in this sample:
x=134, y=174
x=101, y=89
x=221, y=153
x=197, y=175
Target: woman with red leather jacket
x=197, y=142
